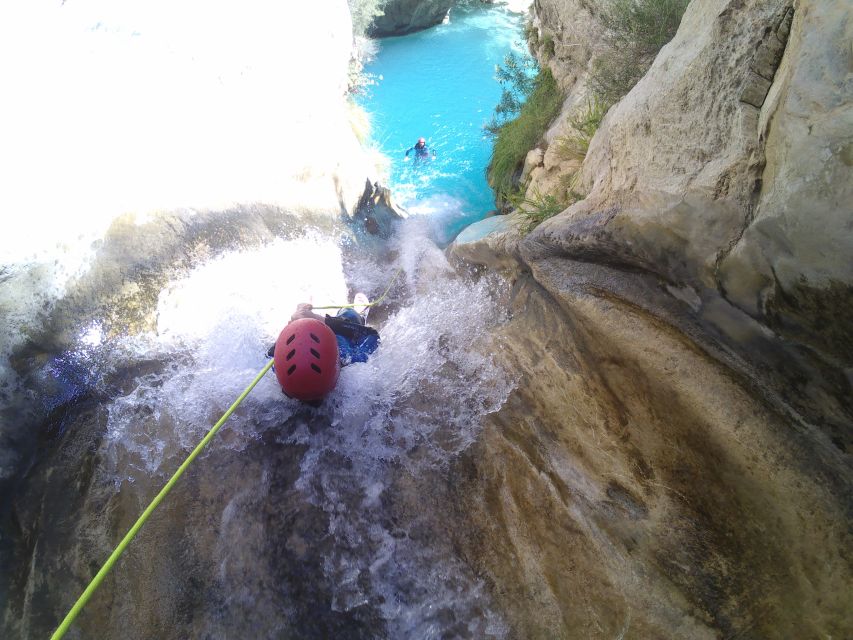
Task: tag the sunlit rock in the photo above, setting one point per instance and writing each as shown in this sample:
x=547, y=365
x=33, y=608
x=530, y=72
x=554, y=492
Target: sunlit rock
x=406, y=16
x=492, y=242
x=791, y=266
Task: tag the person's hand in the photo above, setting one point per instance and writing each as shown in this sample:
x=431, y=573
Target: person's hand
x=303, y=310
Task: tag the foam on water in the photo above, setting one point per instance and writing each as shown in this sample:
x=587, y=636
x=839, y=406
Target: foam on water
x=214, y=327
x=411, y=409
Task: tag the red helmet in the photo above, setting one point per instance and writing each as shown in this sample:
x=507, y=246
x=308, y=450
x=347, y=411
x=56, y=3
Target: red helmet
x=306, y=358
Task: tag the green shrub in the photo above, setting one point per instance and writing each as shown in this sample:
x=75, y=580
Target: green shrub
x=569, y=183
x=585, y=123
x=636, y=31
x=531, y=34
x=514, y=138
x=615, y=74
x=643, y=25
x=534, y=209
x=548, y=46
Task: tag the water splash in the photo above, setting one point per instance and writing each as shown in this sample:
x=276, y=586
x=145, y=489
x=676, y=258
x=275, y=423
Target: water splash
x=392, y=423
x=408, y=413
x=120, y=107
x=405, y=414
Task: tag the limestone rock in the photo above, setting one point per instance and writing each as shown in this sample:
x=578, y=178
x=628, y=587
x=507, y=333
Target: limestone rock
x=791, y=267
x=531, y=161
x=632, y=486
x=407, y=16
x=750, y=207
x=565, y=37
x=675, y=460
x=492, y=242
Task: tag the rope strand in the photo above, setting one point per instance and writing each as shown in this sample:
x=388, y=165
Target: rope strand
x=130, y=535
x=370, y=304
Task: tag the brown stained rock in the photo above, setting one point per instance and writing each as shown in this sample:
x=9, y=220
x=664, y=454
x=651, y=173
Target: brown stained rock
x=748, y=202
x=633, y=485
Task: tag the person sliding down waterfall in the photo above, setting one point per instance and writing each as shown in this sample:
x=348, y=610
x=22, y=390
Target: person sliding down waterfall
x=421, y=151
x=311, y=350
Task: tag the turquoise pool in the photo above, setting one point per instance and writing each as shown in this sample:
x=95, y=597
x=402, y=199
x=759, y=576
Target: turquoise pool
x=440, y=84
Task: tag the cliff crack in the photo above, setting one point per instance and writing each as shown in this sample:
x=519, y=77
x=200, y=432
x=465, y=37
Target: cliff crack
x=760, y=77
x=766, y=61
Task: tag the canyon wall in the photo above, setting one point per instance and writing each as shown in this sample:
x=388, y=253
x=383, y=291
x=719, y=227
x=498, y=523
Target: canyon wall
x=676, y=460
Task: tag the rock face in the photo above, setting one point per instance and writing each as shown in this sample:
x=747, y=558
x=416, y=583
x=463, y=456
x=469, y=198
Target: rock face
x=689, y=180
x=676, y=459
x=407, y=16
x=790, y=267
x=565, y=37
x=636, y=484
x=376, y=212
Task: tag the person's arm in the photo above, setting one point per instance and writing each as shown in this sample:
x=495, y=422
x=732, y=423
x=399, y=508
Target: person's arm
x=408, y=151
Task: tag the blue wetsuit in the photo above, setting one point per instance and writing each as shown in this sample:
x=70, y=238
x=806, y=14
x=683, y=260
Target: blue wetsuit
x=356, y=341
x=421, y=153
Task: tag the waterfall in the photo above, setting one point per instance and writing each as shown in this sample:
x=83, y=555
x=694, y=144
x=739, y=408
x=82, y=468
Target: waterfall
x=173, y=199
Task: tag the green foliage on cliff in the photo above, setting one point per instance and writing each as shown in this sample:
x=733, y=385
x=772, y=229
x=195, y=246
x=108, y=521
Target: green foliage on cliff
x=643, y=25
x=549, y=48
x=514, y=138
x=535, y=209
x=636, y=31
x=585, y=123
x=516, y=77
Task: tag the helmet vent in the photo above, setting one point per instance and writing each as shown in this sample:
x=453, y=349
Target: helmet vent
x=314, y=338
x=316, y=368
x=315, y=353
x=291, y=369
x=291, y=338
x=291, y=354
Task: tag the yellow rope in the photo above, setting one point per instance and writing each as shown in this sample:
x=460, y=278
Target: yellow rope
x=375, y=302
x=99, y=577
